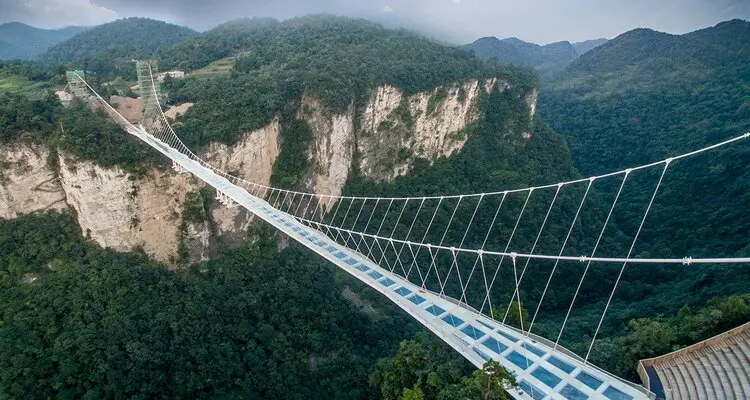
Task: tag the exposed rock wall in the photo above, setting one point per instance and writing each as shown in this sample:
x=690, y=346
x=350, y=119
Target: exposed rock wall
x=117, y=211
x=332, y=150
x=27, y=185
x=397, y=129
x=124, y=212
x=393, y=130
x=251, y=158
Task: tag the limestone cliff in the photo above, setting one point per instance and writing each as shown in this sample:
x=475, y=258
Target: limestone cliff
x=124, y=212
x=391, y=131
x=26, y=183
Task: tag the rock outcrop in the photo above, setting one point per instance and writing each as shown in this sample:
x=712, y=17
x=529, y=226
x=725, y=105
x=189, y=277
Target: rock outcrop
x=125, y=212
x=27, y=184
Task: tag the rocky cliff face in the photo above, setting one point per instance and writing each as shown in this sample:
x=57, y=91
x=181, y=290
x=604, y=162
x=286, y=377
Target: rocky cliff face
x=26, y=183
x=394, y=129
x=124, y=212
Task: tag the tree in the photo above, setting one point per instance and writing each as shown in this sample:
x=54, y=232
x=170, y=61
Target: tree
x=493, y=380
x=412, y=394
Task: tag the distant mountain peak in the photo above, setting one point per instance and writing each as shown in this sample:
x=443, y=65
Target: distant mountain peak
x=22, y=41
x=548, y=59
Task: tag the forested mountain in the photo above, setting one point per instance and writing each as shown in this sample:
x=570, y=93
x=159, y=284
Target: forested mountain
x=21, y=41
x=588, y=45
x=646, y=95
x=339, y=60
x=82, y=322
x=79, y=321
x=110, y=48
x=548, y=59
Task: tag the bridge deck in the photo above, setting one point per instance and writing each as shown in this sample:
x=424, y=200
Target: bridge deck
x=542, y=371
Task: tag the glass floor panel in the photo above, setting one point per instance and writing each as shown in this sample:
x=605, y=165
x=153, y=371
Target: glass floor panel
x=387, y=282
x=565, y=367
x=375, y=274
x=589, y=380
x=494, y=345
x=472, y=332
x=435, y=310
x=571, y=393
x=548, y=378
x=509, y=337
x=534, y=349
x=531, y=390
x=519, y=360
x=614, y=394
x=453, y=320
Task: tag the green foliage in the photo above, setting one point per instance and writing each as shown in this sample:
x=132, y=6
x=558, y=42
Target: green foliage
x=293, y=159
x=92, y=136
x=642, y=97
x=403, y=113
x=410, y=394
x=336, y=60
x=651, y=337
x=548, y=59
x=82, y=322
x=518, y=315
x=109, y=48
x=196, y=207
x=425, y=369
x=434, y=101
x=420, y=364
x=19, y=115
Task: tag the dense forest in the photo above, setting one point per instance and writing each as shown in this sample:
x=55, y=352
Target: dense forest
x=80, y=321
x=647, y=95
x=339, y=60
x=109, y=49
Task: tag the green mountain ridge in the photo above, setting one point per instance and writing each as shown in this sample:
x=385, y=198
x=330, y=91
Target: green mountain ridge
x=21, y=41
x=109, y=49
x=645, y=96
x=620, y=104
x=548, y=59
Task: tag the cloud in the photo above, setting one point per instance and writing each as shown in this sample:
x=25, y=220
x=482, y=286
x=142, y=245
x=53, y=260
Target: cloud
x=458, y=21
x=55, y=13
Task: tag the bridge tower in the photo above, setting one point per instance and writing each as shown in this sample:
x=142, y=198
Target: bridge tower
x=149, y=84
x=76, y=85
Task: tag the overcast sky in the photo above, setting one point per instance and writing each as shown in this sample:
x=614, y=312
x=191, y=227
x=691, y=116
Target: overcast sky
x=460, y=21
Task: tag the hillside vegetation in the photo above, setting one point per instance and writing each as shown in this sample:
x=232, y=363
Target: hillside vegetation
x=82, y=322
x=648, y=95
x=21, y=41
x=338, y=60
x=109, y=49
x=548, y=59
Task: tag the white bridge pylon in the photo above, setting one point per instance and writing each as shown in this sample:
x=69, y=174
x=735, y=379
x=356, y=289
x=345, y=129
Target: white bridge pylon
x=543, y=368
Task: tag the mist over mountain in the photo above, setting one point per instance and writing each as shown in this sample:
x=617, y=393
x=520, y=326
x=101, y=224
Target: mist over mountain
x=548, y=59
x=111, y=47
x=21, y=41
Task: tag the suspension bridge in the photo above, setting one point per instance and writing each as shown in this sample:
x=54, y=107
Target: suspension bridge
x=458, y=263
